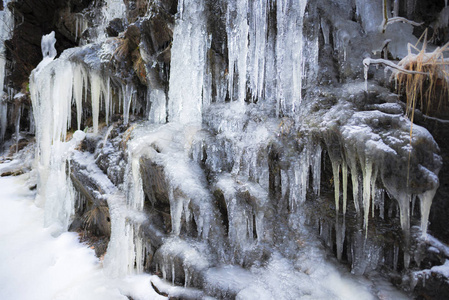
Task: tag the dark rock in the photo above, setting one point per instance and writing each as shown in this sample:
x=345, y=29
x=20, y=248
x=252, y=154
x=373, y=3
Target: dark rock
x=435, y=287
x=115, y=27
x=33, y=21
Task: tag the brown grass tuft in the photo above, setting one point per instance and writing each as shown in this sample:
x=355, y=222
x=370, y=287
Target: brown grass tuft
x=429, y=84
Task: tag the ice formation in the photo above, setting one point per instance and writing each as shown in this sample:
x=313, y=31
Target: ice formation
x=188, y=93
x=221, y=170
x=6, y=26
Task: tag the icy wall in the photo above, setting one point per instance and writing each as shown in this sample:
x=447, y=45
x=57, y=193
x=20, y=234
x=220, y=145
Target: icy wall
x=225, y=133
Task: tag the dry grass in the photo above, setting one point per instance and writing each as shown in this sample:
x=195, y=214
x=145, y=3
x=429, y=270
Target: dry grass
x=127, y=136
x=122, y=50
x=95, y=216
x=139, y=67
x=425, y=81
x=428, y=83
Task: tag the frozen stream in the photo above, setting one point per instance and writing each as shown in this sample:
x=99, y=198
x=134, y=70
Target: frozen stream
x=35, y=265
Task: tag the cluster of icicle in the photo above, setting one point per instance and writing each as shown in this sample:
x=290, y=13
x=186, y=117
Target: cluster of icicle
x=6, y=28
x=254, y=50
x=55, y=86
x=362, y=154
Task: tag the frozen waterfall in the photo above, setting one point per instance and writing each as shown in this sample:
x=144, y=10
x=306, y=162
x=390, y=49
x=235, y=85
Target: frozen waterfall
x=229, y=147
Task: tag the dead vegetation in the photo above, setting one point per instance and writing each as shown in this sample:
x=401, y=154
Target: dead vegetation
x=428, y=85
x=421, y=76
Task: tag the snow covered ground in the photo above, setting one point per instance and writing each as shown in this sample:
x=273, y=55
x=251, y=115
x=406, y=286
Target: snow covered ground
x=36, y=265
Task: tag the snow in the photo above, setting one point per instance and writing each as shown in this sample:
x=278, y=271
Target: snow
x=37, y=265
x=443, y=269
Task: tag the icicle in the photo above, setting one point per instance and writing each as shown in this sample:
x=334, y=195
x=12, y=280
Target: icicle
x=186, y=277
x=249, y=225
x=373, y=190
x=6, y=29
x=77, y=21
x=340, y=236
x=136, y=197
x=413, y=205
x=290, y=60
x=164, y=272
x=344, y=174
x=237, y=29
x=79, y=82
x=316, y=169
x=367, y=172
x=404, y=207
x=366, y=64
x=175, y=212
x=30, y=118
x=17, y=126
x=129, y=242
x=108, y=99
x=257, y=46
x=325, y=30
x=304, y=172
x=260, y=228
x=188, y=56
x=382, y=203
x=426, y=202
x=128, y=94
x=355, y=182
x=186, y=210
x=336, y=173
x=80, y=26
x=284, y=183
x=3, y=117
x=158, y=112
x=180, y=8
x=139, y=249
x=95, y=86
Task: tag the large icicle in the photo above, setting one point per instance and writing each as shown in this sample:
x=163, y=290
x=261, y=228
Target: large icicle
x=6, y=28
x=158, y=112
x=121, y=255
x=128, y=97
x=336, y=176
x=79, y=82
x=257, y=46
x=51, y=96
x=367, y=171
x=289, y=54
x=237, y=29
x=188, y=56
x=426, y=202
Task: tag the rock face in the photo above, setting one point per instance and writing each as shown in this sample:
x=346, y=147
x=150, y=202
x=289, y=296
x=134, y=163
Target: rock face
x=225, y=136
